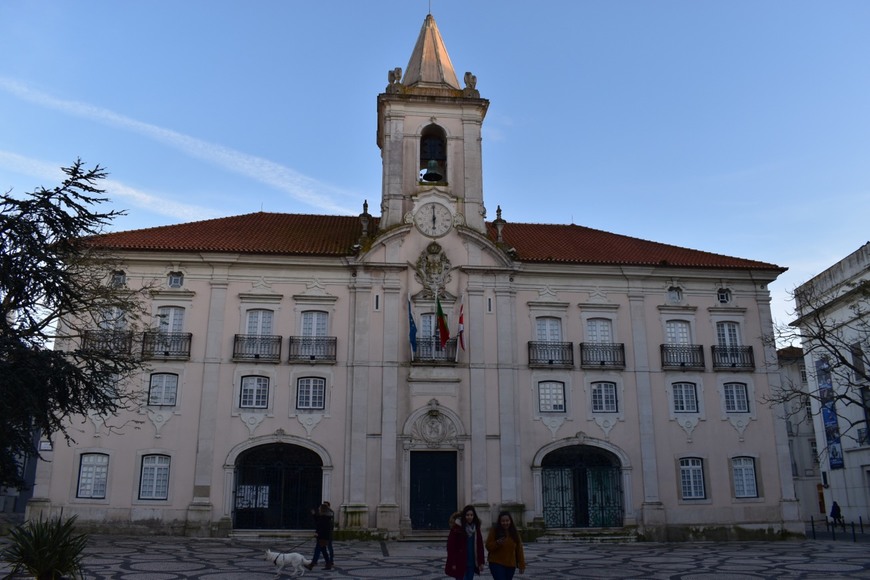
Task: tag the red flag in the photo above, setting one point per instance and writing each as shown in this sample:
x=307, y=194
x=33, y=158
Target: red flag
x=462, y=325
x=443, y=332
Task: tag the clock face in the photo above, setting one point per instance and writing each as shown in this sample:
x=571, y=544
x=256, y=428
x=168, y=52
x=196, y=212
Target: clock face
x=433, y=219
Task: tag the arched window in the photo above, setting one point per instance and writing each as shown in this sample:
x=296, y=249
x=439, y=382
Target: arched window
x=433, y=154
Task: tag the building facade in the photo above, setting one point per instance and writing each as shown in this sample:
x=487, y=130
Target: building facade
x=403, y=365
x=834, y=320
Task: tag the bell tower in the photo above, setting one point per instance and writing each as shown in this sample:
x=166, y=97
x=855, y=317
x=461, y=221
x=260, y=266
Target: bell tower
x=429, y=133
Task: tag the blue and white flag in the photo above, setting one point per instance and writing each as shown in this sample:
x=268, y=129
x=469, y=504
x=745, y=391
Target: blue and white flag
x=412, y=333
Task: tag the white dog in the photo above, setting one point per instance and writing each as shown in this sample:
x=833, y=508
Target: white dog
x=294, y=560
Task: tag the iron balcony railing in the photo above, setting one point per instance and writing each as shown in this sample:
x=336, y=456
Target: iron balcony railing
x=596, y=355
x=733, y=357
x=257, y=347
x=683, y=356
x=551, y=354
x=429, y=351
x=313, y=349
x=120, y=341
x=166, y=345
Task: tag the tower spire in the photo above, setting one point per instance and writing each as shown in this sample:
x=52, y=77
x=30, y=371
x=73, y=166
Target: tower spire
x=430, y=66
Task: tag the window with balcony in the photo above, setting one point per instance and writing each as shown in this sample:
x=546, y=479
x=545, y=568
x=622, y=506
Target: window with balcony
x=258, y=344
x=154, y=477
x=692, y=479
x=254, y=393
x=599, y=350
x=604, y=398
x=743, y=474
x=549, y=350
x=736, y=398
x=163, y=389
x=729, y=353
x=678, y=352
x=93, y=476
x=551, y=397
x=311, y=393
x=313, y=345
x=429, y=349
x=111, y=334
x=168, y=341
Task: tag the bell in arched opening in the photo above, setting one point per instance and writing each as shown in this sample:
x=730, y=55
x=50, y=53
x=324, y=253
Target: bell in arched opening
x=433, y=154
x=432, y=172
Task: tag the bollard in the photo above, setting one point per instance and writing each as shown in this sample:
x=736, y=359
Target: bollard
x=861, y=523
x=833, y=530
x=813, y=526
x=854, y=537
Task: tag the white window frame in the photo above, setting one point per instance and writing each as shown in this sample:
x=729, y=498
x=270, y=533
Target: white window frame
x=743, y=474
x=93, y=476
x=257, y=323
x=692, y=483
x=678, y=331
x=254, y=392
x=724, y=295
x=548, y=329
x=728, y=333
x=599, y=330
x=175, y=279
x=679, y=402
x=551, y=397
x=604, y=397
x=736, y=397
x=170, y=319
x=164, y=394
x=311, y=393
x=154, y=477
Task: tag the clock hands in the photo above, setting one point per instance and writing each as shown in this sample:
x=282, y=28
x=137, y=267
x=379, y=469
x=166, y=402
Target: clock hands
x=433, y=219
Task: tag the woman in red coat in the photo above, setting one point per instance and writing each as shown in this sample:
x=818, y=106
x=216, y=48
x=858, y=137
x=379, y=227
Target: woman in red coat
x=464, y=545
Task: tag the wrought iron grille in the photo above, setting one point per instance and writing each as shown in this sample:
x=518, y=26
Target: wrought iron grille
x=312, y=349
x=119, y=341
x=733, y=357
x=257, y=347
x=166, y=345
x=551, y=354
x=602, y=355
x=682, y=356
x=429, y=351
x=582, y=497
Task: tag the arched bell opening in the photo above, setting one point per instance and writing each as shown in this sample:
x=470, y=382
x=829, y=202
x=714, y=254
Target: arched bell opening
x=433, y=155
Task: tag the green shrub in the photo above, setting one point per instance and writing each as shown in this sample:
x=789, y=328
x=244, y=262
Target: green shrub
x=47, y=549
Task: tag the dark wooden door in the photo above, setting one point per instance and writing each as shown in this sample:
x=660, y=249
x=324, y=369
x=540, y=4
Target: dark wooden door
x=433, y=489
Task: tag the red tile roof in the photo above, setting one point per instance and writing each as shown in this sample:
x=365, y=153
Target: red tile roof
x=327, y=235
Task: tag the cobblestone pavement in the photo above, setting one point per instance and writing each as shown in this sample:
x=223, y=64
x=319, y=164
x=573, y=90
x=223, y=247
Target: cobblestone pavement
x=171, y=558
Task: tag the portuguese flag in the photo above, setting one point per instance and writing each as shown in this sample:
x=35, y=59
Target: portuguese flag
x=443, y=332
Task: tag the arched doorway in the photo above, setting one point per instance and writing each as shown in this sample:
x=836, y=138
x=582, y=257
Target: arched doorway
x=582, y=488
x=275, y=487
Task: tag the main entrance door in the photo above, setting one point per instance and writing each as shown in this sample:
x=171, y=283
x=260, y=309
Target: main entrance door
x=433, y=489
x=276, y=486
x=582, y=488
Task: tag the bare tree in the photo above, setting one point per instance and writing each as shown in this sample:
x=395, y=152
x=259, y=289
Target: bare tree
x=833, y=326
x=67, y=315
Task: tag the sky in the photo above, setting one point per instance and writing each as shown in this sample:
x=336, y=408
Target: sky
x=738, y=127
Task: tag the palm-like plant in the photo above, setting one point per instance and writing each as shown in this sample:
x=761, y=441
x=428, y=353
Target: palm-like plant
x=48, y=549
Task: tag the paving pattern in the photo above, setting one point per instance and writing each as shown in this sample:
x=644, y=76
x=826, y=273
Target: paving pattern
x=172, y=558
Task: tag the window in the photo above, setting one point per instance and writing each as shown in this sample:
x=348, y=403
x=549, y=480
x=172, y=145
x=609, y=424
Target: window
x=743, y=472
x=723, y=295
x=154, y=480
x=808, y=407
x=259, y=322
x=604, y=398
x=175, y=280
x=93, y=475
x=551, y=397
x=111, y=318
x=685, y=398
x=255, y=393
x=857, y=351
x=803, y=371
x=170, y=319
x=814, y=451
x=692, y=478
x=675, y=294
x=599, y=330
x=163, y=389
x=727, y=333
x=118, y=279
x=311, y=393
x=736, y=400
x=549, y=329
x=677, y=332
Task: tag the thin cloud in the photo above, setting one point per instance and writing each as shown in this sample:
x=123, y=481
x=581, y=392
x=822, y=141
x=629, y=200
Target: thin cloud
x=297, y=185
x=51, y=173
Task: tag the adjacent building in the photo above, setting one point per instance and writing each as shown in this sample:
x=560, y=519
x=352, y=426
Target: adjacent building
x=402, y=365
x=833, y=311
